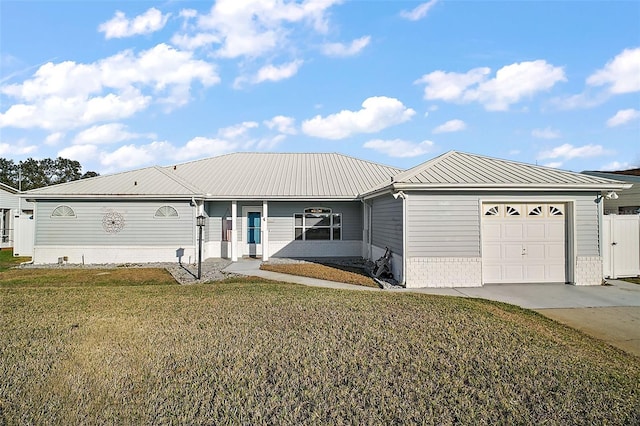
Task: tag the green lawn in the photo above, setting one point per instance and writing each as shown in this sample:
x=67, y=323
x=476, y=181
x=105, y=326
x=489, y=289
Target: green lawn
x=8, y=261
x=253, y=352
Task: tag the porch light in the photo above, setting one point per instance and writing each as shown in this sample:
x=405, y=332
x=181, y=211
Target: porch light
x=200, y=222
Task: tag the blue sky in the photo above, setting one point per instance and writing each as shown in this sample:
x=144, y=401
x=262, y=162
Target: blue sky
x=123, y=85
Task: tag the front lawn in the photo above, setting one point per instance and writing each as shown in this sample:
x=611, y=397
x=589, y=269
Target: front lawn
x=7, y=260
x=335, y=273
x=254, y=352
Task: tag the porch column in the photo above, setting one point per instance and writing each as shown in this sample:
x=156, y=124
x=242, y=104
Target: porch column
x=265, y=230
x=234, y=231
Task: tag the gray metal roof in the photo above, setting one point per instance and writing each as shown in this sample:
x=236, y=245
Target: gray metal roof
x=237, y=176
x=458, y=170
x=283, y=175
x=146, y=183
x=617, y=176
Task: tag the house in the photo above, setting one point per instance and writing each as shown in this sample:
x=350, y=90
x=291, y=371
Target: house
x=15, y=221
x=456, y=220
x=627, y=202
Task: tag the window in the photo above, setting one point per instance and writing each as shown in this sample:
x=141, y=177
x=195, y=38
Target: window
x=166, y=211
x=492, y=210
x=63, y=211
x=317, y=224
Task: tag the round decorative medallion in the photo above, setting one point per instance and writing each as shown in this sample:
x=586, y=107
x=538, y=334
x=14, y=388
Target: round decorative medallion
x=113, y=222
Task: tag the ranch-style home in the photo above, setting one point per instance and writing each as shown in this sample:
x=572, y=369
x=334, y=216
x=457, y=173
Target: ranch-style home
x=458, y=220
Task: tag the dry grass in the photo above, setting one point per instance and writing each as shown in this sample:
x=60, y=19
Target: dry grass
x=324, y=272
x=635, y=280
x=73, y=277
x=8, y=261
x=251, y=352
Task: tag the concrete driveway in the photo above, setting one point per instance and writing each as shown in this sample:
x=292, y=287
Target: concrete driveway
x=610, y=313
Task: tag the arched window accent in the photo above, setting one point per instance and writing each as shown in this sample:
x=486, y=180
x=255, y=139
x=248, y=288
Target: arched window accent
x=556, y=210
x=492, y=210
x=535, y=211
x=63, y=211
x=513, y=210
x=166, y=211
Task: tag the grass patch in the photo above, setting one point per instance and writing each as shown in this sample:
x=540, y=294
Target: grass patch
x=254, y=352
x=341, y=274
x=634, y=280
x=73, y=277
x=7, y=260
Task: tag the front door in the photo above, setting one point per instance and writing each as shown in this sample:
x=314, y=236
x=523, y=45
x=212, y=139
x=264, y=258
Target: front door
x=253, y=221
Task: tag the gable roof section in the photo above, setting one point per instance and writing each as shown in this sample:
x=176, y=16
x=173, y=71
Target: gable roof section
x=248, y=175
x=458, y=170
x=151, y=182
x=7, y=188
x=633, y=178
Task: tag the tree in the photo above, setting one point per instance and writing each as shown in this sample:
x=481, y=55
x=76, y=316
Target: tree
x=39, y=173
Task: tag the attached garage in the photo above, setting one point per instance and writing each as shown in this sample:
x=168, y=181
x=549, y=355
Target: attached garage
x=524, y=243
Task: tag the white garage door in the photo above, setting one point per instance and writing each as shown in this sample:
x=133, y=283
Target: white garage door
x=523, y=243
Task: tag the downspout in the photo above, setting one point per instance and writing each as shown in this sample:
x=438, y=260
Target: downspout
x=366, y=213
x=403, y=195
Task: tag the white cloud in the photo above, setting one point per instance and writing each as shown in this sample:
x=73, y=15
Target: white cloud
x=238, y=130
x=418, y=12
x=568, y=152
x=451, y=126
x=276, y=73
x=377, y=113
x=342, y=50
x=252, y=28
x=282, y=124
x=53, y=138
x=81, y=153
x=107, y=134
x=554, y=164
x=616, y=165
x=620, y=75
x=623, y=116
x=267, y=144
x=205, y=147
x=546, y=133
x=131, y=156
x=19, y=148
x=69, y=95
x=120, y=26
x=399, y=148
x=510, y=85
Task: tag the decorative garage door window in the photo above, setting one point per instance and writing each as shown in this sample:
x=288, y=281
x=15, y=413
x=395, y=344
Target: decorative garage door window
x=63, y=211
x=318, y=223
x=166, y=212
x=113, y=222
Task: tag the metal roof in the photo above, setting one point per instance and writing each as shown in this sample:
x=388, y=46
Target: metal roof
x=615, y=175
x=283, y=175
x=146, y=183
x=237, y=176
x=458, y=170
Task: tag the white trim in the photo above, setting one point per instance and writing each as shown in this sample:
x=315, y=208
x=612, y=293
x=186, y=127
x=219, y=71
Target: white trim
x=265, y=231
x=50, y=254
x=246, y=250
x=234, y=231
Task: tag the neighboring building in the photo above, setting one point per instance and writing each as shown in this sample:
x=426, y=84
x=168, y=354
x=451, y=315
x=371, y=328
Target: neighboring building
x=457, y=220
x=627, y=202
x=12, y=211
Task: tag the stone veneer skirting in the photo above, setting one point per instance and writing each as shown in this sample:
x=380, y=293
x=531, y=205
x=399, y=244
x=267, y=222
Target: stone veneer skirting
x=588, y=270
x=444, y=272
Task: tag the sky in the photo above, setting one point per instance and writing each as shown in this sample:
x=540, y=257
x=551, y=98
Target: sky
x=121, y=85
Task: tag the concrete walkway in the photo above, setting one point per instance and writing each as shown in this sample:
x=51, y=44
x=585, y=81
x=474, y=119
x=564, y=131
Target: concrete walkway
x=610, y=313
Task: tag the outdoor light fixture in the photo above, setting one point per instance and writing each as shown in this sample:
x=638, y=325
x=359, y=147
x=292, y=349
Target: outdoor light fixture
x=611, y=195
x=200, y=222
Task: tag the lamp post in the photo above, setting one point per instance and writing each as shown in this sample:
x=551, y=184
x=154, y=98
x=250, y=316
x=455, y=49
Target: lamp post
x=200, y=222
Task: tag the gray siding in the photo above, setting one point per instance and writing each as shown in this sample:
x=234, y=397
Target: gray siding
x=141, y=227
x=386, y=223
x=587, y=225
x=8, y=200
x=443, y=225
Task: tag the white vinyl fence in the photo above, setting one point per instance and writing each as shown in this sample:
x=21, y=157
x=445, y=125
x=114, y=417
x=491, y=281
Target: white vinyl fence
x=621, y=245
